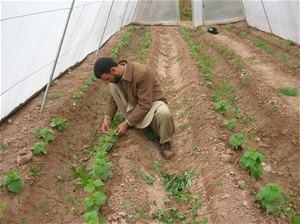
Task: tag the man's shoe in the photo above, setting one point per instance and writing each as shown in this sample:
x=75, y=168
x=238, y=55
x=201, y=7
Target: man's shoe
x=166, y=150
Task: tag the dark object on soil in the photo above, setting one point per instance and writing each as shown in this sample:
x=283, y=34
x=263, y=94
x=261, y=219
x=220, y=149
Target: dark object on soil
x=213, y=30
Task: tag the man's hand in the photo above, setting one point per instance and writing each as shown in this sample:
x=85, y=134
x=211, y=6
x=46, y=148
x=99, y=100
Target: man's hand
x=106, y=124
x=122, y=128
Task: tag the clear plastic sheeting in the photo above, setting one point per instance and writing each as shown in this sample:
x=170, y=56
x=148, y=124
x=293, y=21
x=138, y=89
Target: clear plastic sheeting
x=32, y=33
x=219, y=12
x=278, y=17
x=157, y=12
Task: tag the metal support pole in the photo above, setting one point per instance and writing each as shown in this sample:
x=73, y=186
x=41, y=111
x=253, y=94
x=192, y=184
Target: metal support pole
x=262, y=2
x=124, y=15
x=57, y=56
x=105, y=26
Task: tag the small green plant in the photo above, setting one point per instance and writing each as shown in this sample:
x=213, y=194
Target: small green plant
x=271, y=198
x=263, y=45
x=39, y=148
x=76, y=95
x=209, y=84
x=13, y=182
x=2, y=207
x=46, y=134
x=108, y=141
x=214, y=97
x=4, y=146
x=175, y=184
x=221, y=107
x=95, y=200
x=288, y=91
x=295, y=220
x=147, y=178
x=52, y=96
x=171, y=215
x=35, y=171
x=230, y=123
x=59, y=123
x=156, y=165
x=287, y=43
x=74, y=203
x=196, y=149
x=237, y=141
x=245, y=79
x=251, y=161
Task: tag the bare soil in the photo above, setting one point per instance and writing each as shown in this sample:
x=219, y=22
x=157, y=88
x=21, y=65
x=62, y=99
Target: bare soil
x=269, y=119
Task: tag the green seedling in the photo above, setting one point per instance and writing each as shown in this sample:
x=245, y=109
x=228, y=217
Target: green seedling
x=171, y=215
x=76, y=95
x=59, y=123
x=230, y=123
x=147, y=178
x=95, y=200
x=288, y=91
x=13, y=182
x=245, y=79
x=175, y=184
x=52, y=96
x=263, y=45
x=2, y=207
x=221, y=107
x=214, y=97
x=196, y=149
x=92, y=217
x=39, y=148
x=271, y=198
x=35, y=171
x=295, y=220
x=74, y=203
x=251, y=161
x=287, y=43
x=209, y=84
x=108, y=141
x=102, y=169
x=93, y=185
x=45, y=133
x=237, y=141
x=84, y=88
x=4, y=146
x=156, y=165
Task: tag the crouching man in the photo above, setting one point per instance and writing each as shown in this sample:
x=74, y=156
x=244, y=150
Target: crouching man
x=137, y=94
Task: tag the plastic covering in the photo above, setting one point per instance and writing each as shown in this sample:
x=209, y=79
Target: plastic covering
x=32, y=31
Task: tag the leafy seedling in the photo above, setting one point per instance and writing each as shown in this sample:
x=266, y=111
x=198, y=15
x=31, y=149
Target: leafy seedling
x=35, y=171
x=251, y=161
x=4, y=146
x=288, y=91
x=214, y=97
x=39, y=148
x=76, y=95
x=2, y=206
x=295, y=220
x=59, y=123
x=271, y=198
x=95, y=200
x=176, y=183
x=230, y=123
x=237, y=141
x=221, y=107
x=46, y=134
x=13, y=182
x=171, y=215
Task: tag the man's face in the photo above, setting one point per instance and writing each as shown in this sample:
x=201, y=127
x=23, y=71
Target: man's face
x=108, y=77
